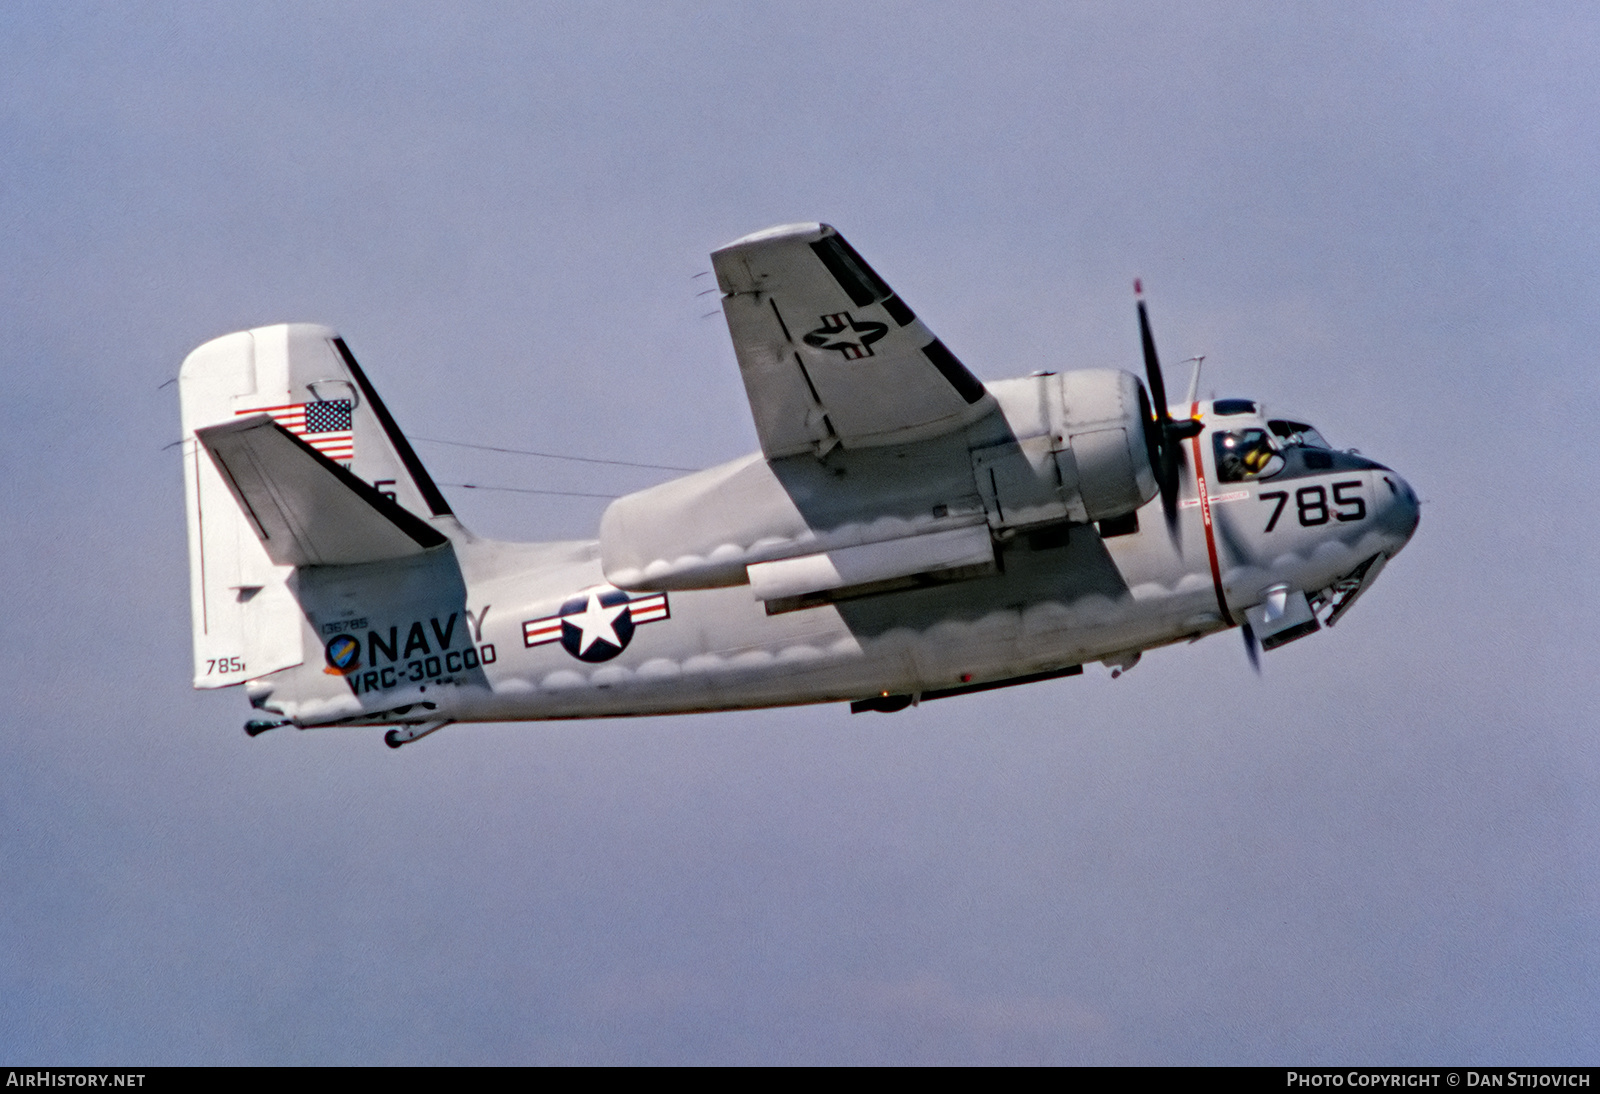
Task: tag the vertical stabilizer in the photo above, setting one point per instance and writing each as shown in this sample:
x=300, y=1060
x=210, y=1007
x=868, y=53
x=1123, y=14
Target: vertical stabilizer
x=247, y=622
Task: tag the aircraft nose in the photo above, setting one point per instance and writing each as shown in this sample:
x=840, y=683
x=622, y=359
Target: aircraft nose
x=1404, y=511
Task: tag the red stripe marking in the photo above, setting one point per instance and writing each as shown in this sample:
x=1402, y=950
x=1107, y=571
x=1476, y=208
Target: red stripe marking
x=1205, y=518
x=538, y=632
x=298, y=408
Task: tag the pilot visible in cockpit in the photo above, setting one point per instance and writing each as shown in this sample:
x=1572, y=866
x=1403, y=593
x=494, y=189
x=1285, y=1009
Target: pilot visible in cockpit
x=1244, y=454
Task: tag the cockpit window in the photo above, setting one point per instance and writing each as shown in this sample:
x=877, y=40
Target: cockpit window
x=1297, y=433
x=1245, y=454
x=1224, y=408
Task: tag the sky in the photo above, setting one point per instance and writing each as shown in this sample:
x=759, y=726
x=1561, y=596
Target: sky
x=1378, y=218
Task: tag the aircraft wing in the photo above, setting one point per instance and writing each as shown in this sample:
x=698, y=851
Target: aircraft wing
x=829, y=354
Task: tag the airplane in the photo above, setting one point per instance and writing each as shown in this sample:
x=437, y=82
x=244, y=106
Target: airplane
x=906, y=533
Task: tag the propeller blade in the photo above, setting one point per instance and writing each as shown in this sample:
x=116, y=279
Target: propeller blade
x=1166, y=446
x=1152, y=363
x=1169, y=492
x=1252, y=649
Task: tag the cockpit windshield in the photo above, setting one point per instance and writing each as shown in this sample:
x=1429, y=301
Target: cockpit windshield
x=1291, y=434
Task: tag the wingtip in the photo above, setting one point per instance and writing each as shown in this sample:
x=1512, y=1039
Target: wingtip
x=778, y=232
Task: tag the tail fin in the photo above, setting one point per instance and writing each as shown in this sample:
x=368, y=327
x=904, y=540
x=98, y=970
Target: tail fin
x=304, y=379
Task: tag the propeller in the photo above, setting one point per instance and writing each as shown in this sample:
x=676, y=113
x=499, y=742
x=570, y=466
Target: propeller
x=1252, y=648
x=1163, y=435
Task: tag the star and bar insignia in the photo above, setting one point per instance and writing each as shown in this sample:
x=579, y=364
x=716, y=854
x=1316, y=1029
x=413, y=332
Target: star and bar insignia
x=850, y=336
x=597, y=624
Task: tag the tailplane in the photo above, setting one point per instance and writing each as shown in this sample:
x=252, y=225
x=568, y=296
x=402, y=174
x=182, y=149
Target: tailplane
x=305, y=509
x=290, y=459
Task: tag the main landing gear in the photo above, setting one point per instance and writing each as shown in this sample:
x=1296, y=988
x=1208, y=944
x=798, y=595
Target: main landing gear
x=402, y=735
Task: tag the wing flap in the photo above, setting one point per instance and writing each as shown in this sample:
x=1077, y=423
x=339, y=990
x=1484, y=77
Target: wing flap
x=306, y=509
x=829, y=354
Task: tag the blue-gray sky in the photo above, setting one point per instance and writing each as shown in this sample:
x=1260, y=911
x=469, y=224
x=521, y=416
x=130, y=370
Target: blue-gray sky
x=1379, y=217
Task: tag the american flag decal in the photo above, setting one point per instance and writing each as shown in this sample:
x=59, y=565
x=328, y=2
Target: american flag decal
x=324, y=425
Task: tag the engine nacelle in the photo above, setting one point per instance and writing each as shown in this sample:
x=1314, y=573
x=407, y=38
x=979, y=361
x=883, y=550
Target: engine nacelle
x=1105, y=416
x=1077, y=450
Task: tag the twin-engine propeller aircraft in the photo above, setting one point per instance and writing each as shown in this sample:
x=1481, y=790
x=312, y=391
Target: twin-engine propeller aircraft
x=907, y=532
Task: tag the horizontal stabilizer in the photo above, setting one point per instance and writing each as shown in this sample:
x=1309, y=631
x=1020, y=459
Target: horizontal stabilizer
x=304, y=507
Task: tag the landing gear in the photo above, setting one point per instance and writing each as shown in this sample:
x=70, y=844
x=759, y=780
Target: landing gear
x=257, y=726
x=401, y=735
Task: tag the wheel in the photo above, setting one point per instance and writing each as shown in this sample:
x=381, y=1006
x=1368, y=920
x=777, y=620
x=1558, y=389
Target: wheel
x=392, y=739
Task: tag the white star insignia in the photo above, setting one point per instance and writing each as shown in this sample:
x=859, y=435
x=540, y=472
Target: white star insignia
x=596, y=622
